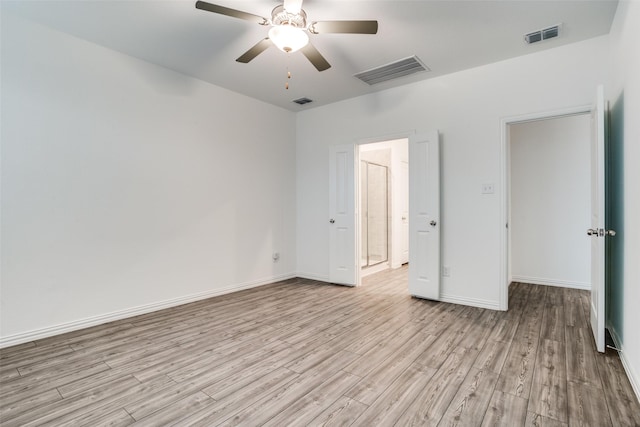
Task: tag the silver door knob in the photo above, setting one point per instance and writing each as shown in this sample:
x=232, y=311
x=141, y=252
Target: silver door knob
x=331, y=221
x=600, y=232
x=433, y=223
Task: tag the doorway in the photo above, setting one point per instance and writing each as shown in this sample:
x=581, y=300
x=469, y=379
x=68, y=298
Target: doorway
x=546, y=177
x=423, y=158
x=383, y=218
x=550, y=201
x=596, y=230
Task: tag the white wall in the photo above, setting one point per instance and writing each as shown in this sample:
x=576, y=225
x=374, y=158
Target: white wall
x=466, y=107
x=126, y=186
x=550, y=201
x=624, y=98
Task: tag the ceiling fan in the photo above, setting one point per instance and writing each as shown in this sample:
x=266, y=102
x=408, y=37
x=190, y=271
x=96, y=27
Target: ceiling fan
x=289, y=30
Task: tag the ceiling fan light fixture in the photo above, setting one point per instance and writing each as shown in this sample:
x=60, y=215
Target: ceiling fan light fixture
x=288, y=38
x=289, y=30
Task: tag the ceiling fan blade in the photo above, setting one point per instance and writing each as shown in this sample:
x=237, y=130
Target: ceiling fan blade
x=293, y=6
x=345, y=27
x=203, y=5
x=256, y=50
x=315, y=57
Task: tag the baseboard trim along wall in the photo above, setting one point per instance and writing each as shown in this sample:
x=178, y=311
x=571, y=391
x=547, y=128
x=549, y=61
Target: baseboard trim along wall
x=134, y=311
x=312, y=276
x=473, y=302
x=634, y=379
x=552, y=282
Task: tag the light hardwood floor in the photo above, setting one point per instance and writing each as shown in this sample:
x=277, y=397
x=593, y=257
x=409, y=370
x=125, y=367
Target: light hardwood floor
x=301, y=353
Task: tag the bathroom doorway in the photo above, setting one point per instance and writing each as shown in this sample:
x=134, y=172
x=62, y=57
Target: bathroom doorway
x=383, y=215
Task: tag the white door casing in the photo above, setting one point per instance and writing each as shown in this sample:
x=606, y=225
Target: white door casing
x=597, y=231
x=342, y=216
x=424, y=215
x=404, y=236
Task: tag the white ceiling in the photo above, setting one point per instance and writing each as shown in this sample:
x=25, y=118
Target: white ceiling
x=447, y=36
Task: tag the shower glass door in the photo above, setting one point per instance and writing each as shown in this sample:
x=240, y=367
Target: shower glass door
x=374, y=194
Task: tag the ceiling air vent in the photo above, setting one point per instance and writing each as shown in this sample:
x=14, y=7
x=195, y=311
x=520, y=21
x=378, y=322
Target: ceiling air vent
x=544, y=34
x=401, y=68
x=302, y=101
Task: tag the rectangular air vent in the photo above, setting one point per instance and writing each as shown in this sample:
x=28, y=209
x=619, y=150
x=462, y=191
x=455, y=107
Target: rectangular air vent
x=401, y=68
x=551, y=32
x=534, y=37
x=302, y=101
x=544, y=34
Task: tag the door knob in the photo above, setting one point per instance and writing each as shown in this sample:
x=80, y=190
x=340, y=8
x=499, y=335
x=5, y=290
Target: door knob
x=600, y=232
x=331, y=221
x=433, y=223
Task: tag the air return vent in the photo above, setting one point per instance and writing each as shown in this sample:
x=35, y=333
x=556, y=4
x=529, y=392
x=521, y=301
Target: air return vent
x=401, y=68
x=544, y=34
x=302, y=101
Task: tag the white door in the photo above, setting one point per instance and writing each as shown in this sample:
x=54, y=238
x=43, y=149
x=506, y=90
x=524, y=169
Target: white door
x=597, y=230
x=424, y=216
x=404, y=230
x=342, y=216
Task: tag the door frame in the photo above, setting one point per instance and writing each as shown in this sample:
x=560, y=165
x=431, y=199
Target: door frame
x=505, y=181
x=357, y=143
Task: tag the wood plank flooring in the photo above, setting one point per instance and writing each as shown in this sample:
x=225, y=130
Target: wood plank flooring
x=302, y=353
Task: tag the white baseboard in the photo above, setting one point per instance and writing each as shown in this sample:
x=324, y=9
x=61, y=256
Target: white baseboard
x=130, y=312
x=552, y=282
x=473, y=302
x=312, y=276
x=634, y=379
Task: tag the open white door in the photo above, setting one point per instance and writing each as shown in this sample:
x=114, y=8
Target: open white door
x=424, y=216
x=597, y=230
x=342, y=216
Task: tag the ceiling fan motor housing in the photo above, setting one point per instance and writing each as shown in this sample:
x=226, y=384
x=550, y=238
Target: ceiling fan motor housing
x=279, y=16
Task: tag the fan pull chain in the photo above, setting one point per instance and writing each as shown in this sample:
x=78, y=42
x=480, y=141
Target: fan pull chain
x=286, y=84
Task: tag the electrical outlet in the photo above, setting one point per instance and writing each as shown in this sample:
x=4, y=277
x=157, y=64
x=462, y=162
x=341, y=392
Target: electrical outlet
x=487, y=188
x=446, y=271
